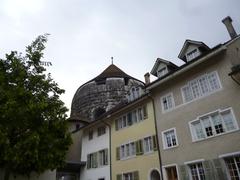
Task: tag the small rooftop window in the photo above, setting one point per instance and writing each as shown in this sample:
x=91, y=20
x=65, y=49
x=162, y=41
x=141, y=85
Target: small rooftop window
x=161, y=72
x=192, y=54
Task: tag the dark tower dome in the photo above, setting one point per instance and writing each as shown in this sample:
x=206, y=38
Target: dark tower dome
x=102, y=93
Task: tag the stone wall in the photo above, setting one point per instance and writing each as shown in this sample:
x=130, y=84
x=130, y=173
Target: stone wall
x=100, y=96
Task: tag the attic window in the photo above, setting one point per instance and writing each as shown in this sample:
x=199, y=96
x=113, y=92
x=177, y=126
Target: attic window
x=192, y=54
x=161, y=72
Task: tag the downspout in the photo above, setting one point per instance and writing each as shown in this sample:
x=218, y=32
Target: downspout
x=156, y=129
x=110, y=149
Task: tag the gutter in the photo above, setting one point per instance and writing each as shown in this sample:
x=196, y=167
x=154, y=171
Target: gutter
x=110, y=148
x=177, y=73
x=156, y=129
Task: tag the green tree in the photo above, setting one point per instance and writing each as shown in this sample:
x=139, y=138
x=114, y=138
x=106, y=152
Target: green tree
x=33, y=126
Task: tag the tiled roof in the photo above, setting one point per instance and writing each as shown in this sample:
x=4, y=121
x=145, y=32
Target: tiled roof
x=112, y=71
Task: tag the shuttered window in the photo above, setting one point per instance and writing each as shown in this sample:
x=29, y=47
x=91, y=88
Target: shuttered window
x=135, y=116
x=97, y=159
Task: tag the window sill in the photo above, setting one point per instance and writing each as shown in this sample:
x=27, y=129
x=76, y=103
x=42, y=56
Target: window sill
x=168, y=110
x=201, y=97
x=127, y=158
x=172, y=147
x=217, y=135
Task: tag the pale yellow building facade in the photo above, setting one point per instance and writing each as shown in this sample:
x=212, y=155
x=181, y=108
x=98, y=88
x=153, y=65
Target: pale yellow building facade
x=133, y=142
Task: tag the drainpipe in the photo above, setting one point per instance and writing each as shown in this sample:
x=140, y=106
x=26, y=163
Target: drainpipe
x=110, y=148
x=156, y=129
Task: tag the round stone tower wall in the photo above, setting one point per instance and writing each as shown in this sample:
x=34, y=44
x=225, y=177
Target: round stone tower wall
x=95, y=98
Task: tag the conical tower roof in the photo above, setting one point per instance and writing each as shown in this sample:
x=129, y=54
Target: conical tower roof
x=102, y=93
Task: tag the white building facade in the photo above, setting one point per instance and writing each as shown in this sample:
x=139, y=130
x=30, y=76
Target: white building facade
x=95, y=152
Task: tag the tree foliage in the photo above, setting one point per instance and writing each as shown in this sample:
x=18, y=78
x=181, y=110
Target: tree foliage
x=33, y=127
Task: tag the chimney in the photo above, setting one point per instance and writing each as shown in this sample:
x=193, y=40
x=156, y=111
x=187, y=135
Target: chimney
x=147, y=78
x=227, y=21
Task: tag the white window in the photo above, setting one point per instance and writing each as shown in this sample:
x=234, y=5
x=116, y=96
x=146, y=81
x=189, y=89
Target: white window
x=128, y=176
x=140, y=114
x=90, y=134
x=201, y=86
x=132, y=117
x=213, y=124
x=103, y=157
x=161, y=72
x=233, y=166
x=127, y=150
x=148, y=144
x=134, y=93
x=92, y=160
x=197, y=171
x=169, y=138
x=101, y=130
x=192, y=54
x=167, y=102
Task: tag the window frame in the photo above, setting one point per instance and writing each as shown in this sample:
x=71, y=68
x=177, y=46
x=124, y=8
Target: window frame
x=200, y=90
x=137, y=115
x=101, y=130
x=162, y=71
x=162, y=103
x=198, y=170
x=209, y=116
x=132, y=152
x=192, y=54
x=90, y=134
x=149, y=146
x=164, y=140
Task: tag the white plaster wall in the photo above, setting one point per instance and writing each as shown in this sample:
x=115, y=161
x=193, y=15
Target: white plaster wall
x=91, y=146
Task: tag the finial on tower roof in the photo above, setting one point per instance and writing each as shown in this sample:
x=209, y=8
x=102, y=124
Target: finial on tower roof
x=112, y=59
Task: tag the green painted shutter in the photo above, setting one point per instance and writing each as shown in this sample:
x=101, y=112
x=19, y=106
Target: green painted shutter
x=184, y=172
x=106, y=156
x=88, y=162
x=139, y=147
x=119, y=177
x=155, y=144
x=220, y=171
x=135, y=175
x=208, y=170
x=116, y=124
x=118, y=153
x=129, y=119
x=145, y=113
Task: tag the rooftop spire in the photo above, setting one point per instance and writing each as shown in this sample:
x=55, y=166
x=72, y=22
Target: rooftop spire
x=112, y=59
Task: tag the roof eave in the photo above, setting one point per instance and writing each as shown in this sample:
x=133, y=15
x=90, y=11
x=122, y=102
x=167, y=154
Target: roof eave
x=182, y=70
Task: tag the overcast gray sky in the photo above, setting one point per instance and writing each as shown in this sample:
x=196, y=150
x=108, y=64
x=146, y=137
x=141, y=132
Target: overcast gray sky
x=86, y=33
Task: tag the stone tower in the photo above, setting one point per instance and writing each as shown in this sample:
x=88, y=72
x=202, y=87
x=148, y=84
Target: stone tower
x=102, y=93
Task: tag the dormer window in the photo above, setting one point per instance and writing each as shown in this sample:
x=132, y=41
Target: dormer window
x=161, y=72
x=163, y=67
x=134, y=93
x=192, y=54
x=192, y=49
